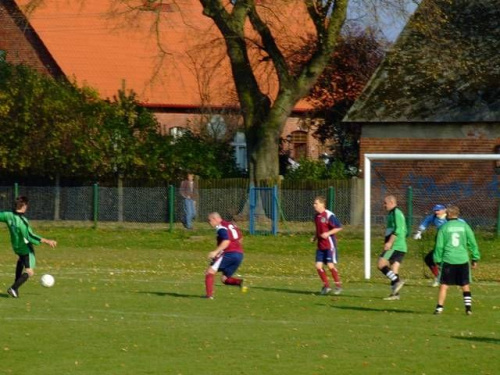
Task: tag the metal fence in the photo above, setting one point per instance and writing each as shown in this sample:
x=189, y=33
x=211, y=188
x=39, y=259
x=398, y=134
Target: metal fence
x=163, y=204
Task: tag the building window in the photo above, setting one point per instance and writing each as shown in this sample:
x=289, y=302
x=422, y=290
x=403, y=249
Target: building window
x=177, y=132
x=216, y=127
x=240, y=150
x=299, y=144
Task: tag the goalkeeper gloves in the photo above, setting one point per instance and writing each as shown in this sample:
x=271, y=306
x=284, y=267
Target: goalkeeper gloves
x=418, y=235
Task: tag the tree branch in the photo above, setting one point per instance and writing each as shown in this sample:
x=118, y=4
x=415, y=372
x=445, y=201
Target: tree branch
x=270, y=46
x=334, y=15
x=232, y=26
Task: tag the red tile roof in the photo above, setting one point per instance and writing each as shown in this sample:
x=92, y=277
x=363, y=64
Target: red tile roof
x=109, y=48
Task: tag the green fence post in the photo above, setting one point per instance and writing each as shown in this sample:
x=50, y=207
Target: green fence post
x=171, y=204
x=16, y=190
x=331, y=198
x=498, y=220
x=95, y=204
x=409, y=209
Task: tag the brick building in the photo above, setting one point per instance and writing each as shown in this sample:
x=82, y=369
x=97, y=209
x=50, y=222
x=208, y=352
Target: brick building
x=182, y=76
x=438, y=91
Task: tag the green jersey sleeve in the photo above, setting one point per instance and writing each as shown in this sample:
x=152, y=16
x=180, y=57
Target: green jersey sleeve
x=472, y=244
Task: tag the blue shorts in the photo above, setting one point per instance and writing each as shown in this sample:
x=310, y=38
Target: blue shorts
x=228, y=263
x=326, y=256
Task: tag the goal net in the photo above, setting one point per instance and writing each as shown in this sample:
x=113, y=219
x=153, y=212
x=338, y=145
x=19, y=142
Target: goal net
x=420, y=181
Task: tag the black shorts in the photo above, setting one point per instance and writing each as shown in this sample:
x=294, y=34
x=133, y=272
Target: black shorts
x=455, y=274
x=393, y=256
x=27, y=260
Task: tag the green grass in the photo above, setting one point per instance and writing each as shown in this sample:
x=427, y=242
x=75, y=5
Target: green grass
x=127, y=301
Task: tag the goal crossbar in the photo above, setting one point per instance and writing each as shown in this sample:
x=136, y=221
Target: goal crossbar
x=367, y=187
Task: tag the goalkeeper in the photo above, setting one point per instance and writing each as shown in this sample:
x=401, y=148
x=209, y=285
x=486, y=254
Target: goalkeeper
x=437, y=219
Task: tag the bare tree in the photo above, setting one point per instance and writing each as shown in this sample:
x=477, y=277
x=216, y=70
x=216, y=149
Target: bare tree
x=261, y=39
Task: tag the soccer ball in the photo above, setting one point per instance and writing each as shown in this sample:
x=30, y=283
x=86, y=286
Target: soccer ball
x=47, y=280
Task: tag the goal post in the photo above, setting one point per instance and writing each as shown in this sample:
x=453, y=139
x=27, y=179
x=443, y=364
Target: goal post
x=368, y=158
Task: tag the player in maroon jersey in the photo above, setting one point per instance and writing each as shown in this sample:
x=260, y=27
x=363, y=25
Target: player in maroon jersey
x=327, y=226
x=226, y=257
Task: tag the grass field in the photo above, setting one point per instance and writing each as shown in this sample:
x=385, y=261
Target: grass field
x=127, y=301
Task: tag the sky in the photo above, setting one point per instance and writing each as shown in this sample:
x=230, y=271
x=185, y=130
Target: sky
x=389, y=20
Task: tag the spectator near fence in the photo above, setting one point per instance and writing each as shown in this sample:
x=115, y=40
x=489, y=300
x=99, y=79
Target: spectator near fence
x=189, y=191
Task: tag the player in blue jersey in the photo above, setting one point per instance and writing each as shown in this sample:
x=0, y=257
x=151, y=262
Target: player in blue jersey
x=227, y=256
x=438, y=218
x=327, y=226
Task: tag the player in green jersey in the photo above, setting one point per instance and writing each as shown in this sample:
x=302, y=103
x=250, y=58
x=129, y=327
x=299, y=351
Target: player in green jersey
x=22, y=239
x=394, y=246
x=454, y=241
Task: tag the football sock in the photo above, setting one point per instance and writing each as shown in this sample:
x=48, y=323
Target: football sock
x=468, y=301
x=336, y=277
x=20, y=281
x=209, y=284
x=233, y=281
x=19, y=269
x=435, y=270
x=389, y=274
x=322, y=275
x=429, y=260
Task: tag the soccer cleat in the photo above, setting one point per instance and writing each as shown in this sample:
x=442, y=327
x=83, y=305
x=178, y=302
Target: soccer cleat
x=468, y=312
x=397, y=287
x=392, y=297
x=325, y=290
x=435, y=283
x=243, y=288
x=337, y=290
x=12, y=292
x=208, y=297
x=438, y=311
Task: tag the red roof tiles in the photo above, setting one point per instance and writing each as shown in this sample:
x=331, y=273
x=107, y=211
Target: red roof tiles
x=110, y=47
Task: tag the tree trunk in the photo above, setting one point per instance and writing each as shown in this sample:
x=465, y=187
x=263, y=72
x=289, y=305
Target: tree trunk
x=263, y=150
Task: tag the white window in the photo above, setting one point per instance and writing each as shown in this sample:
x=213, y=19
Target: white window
x=216, y=127
x=240, y=150
x=177, y=132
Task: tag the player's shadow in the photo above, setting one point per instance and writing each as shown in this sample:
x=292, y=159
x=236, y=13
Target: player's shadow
x=173, y=294
x=4, y=295
x=372, y=309
x=486, y=340
x=292, y=291
x=295, y=291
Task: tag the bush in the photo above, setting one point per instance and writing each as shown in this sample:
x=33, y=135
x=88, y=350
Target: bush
x=317, y=170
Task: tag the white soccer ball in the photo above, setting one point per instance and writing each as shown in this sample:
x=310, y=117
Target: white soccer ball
x=47, y=280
